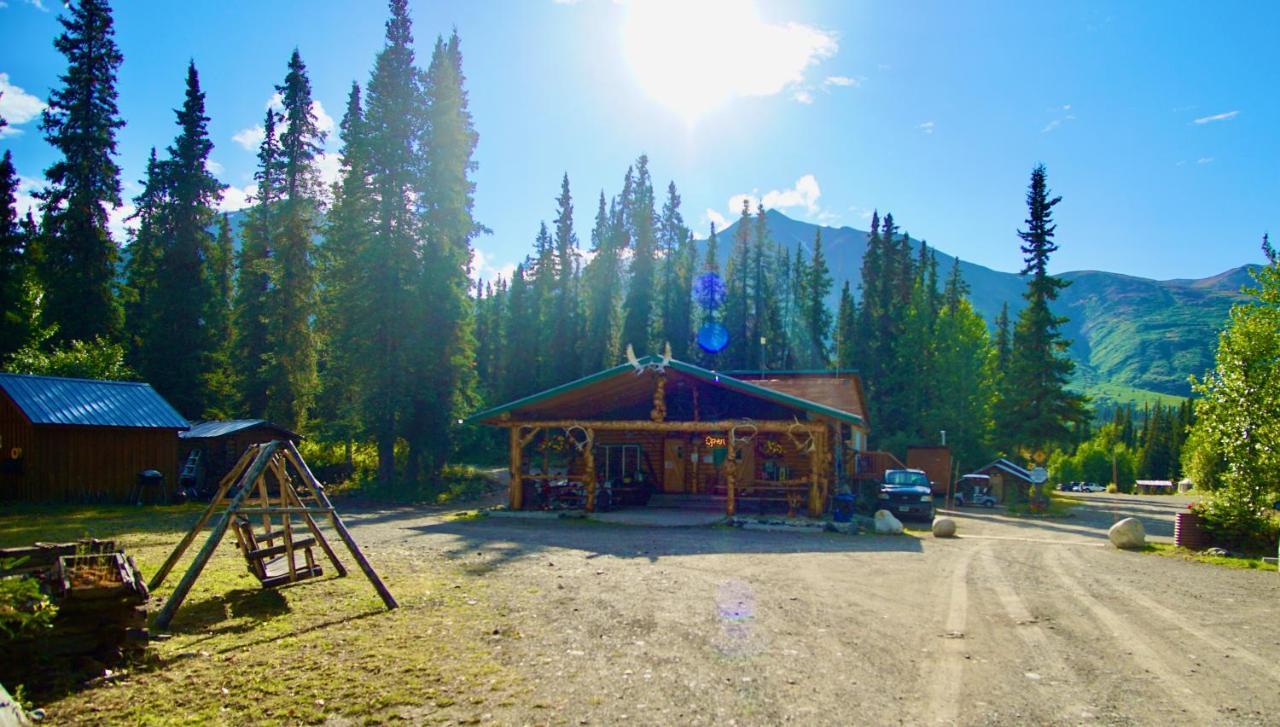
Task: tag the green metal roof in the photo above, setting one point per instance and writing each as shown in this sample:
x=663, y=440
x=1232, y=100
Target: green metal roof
x=709, y=376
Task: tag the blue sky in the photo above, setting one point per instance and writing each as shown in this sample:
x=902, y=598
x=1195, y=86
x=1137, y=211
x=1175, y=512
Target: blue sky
x=1157, y=121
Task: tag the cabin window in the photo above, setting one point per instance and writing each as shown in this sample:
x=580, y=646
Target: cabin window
x=620, y=461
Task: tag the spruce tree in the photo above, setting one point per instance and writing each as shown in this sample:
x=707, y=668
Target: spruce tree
x=704, y=315
x=141, y=296
x=846, y=333
x=638, y=307
x=78, y=256
x=737, y=304
x=565, y=329
x=344, y=268
x=17, y=309
x=601, y=280
x=678, y=263
x=219, y=380
x=1037, y=406
x=180, y=341
x=394, y=115
x=253, y=343
x=445, y=382
x=817, y=315
x=291, y=367
x=965, y=387
x=768, y=334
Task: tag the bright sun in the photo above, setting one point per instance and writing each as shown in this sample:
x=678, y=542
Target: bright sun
x=693, y=55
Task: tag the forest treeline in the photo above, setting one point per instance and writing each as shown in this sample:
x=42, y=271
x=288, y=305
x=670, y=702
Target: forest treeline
x=348, y=311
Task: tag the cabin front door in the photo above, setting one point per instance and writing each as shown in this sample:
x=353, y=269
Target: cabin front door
x=674, y=453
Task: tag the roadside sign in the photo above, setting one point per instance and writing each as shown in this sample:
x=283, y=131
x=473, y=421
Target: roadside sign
x=1039, y=475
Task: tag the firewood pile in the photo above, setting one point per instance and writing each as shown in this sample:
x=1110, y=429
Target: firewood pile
x=101, y=601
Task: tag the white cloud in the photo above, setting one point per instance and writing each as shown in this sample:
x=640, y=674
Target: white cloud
x=1204, y=160
x=803, y=195
x=330, y=166
x=840, y=81
x=485, y=267
x=1051, y=126
x=16, y=106
x=250, y=138
x=1216, y=117
x=26, y=197
x=38, y=5
x=237, y=198
x=725, y=51
x=711, y=217
x=927, y=127
x=119, y=225
x=213, y=166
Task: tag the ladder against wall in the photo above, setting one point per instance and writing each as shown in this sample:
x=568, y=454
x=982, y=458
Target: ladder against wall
x=271, y=501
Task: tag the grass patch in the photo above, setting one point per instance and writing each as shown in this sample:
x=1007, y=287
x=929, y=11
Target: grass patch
x=1241, y=563
x=319, y=650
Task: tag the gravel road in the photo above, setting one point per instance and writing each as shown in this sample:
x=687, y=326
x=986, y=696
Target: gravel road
x=1016, y=622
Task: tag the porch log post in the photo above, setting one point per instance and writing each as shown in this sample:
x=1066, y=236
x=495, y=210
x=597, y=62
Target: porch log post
x=589, y=477
x=515, y=495
x=815, y=465
x=731, y=477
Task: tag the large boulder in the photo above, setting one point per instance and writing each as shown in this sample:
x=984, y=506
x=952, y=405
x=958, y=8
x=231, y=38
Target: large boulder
x=944, y=527
x=887, y=524
x=1128, y=534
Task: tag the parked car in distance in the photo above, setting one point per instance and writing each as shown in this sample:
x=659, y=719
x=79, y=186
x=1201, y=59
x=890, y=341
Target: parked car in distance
x=907, y=493
x=1092, y=487
x=980, y=496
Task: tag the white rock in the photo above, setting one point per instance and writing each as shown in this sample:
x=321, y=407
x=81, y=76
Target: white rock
x=887, y=524
x=944, y=527
x=1128, y=534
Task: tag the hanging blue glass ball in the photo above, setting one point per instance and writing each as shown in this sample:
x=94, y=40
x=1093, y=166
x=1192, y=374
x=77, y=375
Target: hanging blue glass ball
x=713, y=337
x=709, y=290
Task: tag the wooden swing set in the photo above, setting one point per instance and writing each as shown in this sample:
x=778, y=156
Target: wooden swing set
x=261, y=499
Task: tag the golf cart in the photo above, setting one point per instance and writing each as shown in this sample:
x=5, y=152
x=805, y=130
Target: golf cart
x=974, y=490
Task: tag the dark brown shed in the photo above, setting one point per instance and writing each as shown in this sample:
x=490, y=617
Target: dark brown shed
x=82, y=440
x=217, y=445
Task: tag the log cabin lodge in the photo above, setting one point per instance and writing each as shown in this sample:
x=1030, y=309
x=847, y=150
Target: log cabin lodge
x=664, y=431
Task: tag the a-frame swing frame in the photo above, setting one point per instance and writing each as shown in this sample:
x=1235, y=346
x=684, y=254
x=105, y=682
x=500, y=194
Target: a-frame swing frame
x=243, y=494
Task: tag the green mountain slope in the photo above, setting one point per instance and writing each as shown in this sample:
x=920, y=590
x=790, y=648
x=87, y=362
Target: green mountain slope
x=1132, y=338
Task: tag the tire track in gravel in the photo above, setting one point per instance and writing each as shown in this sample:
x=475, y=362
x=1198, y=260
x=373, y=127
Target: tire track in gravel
x=1179, y=620
x=944, y=674
x=1135, y=638
x=1046, y=653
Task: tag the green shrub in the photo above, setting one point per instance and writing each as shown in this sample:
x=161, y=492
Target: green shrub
x=1236, y=523
x=24, y=608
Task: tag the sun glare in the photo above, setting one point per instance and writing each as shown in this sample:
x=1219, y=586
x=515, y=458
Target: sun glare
x=693, y=55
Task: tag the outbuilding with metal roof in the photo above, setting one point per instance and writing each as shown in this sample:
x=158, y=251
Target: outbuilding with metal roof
x=83, y=440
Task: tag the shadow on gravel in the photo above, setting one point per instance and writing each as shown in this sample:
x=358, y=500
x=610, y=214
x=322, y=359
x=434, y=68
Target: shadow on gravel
x=506, y=540
x=1092, y=517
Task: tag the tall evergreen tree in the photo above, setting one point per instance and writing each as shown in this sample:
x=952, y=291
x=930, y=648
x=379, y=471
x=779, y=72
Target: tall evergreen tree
x=638, y=308
x=737, y=304
x=219, y=378
x=253, y=277
x=291, y=367
x=817, y=315
x=846, y=333
x=566, y=328
x=394, y=117
x=601, y=283
x=768, y=334
x=678, y=263
x=17, y=309
x=78, y=256
x=1037, y=406
x=705, y=315
x=180, y=341
x=446, y=382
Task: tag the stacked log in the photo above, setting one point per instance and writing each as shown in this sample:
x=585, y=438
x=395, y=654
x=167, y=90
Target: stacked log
x=101, y=599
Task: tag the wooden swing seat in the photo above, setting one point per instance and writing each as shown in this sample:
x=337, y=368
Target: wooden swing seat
x=270, y=565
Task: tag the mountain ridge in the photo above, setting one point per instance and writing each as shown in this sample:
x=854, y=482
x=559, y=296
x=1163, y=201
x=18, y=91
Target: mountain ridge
x=1126, y=331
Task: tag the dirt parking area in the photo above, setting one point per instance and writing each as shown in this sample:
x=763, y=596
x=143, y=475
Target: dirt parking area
x=1016, y=622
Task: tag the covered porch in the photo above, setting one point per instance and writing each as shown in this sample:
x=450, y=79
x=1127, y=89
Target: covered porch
x=667, y=433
